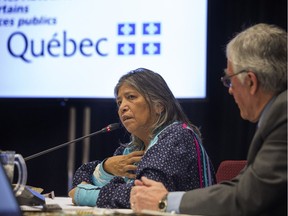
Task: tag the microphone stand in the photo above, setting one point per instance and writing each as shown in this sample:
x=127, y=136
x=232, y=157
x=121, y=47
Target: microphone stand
x=109, y=128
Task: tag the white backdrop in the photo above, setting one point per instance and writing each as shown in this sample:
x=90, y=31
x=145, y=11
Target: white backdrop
x=80, y=48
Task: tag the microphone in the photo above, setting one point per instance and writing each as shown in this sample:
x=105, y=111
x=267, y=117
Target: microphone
x=106, y=129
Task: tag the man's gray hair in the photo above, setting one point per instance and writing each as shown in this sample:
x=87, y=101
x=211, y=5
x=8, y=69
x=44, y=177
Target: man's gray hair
x=262, y=49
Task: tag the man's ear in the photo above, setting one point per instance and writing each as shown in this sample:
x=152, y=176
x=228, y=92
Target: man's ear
x=253, y=82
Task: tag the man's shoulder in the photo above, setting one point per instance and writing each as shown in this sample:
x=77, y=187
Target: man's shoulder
x=277, y=114
x=282, y=96
x=280, y=104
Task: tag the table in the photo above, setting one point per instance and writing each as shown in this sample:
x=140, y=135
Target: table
x=68, y=208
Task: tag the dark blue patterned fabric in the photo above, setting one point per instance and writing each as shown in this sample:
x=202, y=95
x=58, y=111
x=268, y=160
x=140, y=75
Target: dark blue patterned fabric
x=173, y=160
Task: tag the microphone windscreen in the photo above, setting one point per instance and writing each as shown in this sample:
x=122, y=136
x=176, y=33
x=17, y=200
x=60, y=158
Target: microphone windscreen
x=112, y=127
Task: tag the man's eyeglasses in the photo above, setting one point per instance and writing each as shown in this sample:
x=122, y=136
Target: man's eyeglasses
x=226, y=80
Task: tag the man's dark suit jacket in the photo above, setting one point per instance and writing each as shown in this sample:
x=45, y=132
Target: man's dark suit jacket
x=261, y=187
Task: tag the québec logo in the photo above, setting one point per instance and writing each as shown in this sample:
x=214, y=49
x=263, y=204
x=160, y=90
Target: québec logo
x=132, y=40
x=128, y=30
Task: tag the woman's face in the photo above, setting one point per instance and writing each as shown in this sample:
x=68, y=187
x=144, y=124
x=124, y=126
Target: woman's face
x=134, y=112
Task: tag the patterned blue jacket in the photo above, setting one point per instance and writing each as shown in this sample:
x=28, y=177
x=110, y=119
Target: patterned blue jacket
x=174, y=157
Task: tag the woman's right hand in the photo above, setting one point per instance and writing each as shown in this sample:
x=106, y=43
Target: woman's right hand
x=122, y=165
